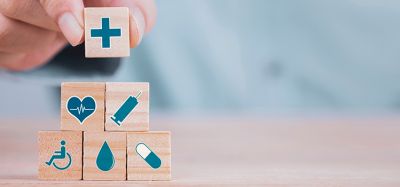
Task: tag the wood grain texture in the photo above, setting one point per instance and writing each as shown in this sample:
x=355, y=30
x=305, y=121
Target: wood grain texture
x=49, y=142
x=93, y=141
x=160, y=143
x=94, y=122
x=116, y=94
x=119, y=18
x=322, y=151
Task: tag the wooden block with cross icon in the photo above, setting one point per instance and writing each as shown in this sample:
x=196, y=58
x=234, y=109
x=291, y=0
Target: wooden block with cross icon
x=60, y=155
x=106, y=32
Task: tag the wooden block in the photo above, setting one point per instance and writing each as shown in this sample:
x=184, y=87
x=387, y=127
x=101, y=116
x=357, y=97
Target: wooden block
x=104, y=156
x=107, y=32
x=123, y=111
x=82, y=106
x=64, y=166
x=139, y=144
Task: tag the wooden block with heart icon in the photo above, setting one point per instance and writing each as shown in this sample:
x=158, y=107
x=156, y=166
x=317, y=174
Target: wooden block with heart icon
x=60, y=155
x=82, y=106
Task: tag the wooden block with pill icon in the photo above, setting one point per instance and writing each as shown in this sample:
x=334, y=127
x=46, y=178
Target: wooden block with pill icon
x=127, y=106
x=149, y=155
x=60, y=155
x=104, y=156
x=106, y=32
x=82, y=106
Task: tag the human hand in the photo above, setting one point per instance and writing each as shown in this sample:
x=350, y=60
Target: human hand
x=33, y=31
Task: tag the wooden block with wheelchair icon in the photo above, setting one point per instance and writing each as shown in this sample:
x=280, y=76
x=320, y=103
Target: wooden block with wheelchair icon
x=60, y=155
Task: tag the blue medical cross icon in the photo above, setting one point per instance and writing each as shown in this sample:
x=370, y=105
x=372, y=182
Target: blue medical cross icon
x=105, y=33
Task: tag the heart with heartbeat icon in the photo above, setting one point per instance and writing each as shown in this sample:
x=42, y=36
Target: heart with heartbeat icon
x=81, y=109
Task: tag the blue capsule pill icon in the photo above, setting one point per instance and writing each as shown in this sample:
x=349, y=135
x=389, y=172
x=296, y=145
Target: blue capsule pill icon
x=148, y=155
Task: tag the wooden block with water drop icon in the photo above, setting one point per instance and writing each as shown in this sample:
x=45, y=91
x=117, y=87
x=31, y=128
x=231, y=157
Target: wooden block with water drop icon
x=60, y=155
x=104, y=156
x=149, y=155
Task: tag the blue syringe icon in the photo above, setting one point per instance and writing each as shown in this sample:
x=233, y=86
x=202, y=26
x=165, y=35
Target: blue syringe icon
x=125, y=109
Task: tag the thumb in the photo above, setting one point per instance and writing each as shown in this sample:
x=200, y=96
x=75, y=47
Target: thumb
x=68, y=14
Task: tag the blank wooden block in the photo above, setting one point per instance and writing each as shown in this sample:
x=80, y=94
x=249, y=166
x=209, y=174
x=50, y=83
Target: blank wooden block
x=67, y=168
x=121, y=112
x=106, y=32
x=93, y=144
x=79, y=115
x=160, y=144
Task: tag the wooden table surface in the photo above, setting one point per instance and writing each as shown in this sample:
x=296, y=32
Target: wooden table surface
x=241, y=150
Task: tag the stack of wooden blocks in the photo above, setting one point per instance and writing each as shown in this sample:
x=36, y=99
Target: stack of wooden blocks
x=104, y=136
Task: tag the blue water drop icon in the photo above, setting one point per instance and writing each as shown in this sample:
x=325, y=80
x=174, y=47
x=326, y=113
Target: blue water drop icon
x=105, y=159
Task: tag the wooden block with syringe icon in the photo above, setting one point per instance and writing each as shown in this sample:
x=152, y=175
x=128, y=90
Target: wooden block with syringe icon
x=127, y=106
x=98, y=109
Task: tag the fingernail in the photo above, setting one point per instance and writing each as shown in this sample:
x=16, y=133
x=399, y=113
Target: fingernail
x=137, y=26
x=71, y=28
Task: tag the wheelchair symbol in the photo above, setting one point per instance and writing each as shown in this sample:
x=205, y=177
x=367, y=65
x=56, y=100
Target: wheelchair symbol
x=60, y=155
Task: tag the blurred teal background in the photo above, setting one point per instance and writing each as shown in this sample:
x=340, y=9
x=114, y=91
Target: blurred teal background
x=256, y=56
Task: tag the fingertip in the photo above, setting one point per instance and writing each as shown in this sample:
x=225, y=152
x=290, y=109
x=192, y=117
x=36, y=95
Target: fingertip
x=56, y=8
x=137, y=27
x=69, y=17
x=71, y=28
x=149, y=10
x=152, y=17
